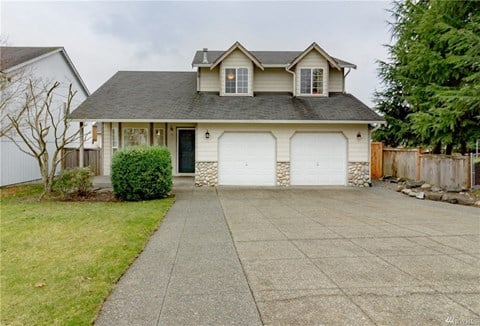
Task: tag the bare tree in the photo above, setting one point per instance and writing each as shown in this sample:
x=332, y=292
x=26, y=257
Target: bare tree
x=37, y=123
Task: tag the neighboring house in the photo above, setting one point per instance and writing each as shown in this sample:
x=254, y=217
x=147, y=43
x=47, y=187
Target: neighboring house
x=43, y=65
x=243, y=118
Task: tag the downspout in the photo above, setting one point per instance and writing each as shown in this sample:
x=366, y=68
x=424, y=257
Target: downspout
x=293, y=84
x=345, y=76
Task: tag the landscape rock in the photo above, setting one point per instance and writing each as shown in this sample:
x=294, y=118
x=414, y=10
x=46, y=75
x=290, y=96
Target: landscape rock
x=436, y=189
x=453, y=189
x=436, y=196
x=420, y=195
x=399, y=188
x=477, y=203
x=455, y=198
x=414, y=184
x=413, y=194
x=406, y=191
x=426, y=186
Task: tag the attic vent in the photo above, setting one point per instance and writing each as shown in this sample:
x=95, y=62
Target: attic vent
x=205, y=58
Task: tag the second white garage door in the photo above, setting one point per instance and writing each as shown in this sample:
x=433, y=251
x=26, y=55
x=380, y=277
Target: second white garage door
x=318, y=159
x=246, y=159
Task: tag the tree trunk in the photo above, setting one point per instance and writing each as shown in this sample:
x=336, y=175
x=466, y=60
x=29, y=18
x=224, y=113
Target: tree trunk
x=437, y=149
x=463, y=147
x=449, y=149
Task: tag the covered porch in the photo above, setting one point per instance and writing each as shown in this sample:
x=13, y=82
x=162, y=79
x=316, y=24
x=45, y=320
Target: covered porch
x=179, y=138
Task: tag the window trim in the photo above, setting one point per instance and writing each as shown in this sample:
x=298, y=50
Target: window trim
x=155, y=136
x=323, y=93
x=236, y=81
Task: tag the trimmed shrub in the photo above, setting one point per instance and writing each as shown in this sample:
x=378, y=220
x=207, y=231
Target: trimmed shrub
x=141, y=173
x=77, y=181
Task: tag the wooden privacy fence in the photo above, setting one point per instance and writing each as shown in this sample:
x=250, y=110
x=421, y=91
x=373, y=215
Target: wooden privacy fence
x=440, y=170
x=71, y=159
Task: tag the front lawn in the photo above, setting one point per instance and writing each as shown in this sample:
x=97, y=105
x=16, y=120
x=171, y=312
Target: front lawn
x=60, y=260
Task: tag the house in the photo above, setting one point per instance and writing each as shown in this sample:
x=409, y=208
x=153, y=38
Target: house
x=45, y=65
x=242, y=118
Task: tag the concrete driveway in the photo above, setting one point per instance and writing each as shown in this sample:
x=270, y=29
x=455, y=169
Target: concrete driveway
x=304, y=256
x=356, y=256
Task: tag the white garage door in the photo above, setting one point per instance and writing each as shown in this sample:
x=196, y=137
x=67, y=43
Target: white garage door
x=318, y=159
x=246, y=159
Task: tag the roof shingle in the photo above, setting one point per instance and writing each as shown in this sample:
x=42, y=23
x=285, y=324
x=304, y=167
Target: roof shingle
x=11, y=56
x=172, y=96
x=265, y=57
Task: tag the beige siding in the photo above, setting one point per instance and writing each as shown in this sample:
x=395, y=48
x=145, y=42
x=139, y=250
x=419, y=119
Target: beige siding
x=107, y=147
x=313, y=60
x=336, y=80
x=272, y=80
x=236, y=59
x=209, y=80
x=207, y=149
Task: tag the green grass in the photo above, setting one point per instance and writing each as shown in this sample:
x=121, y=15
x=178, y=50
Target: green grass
x=60, y=260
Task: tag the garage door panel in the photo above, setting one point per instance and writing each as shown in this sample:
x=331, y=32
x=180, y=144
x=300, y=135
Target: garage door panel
x=246, y=159
x=318, y=159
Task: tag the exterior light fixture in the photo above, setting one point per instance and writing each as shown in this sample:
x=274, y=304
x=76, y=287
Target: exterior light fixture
x=359, y=135
x=230, y=76
x=207, y=135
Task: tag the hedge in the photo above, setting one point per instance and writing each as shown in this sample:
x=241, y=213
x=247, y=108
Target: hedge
x=142, y=173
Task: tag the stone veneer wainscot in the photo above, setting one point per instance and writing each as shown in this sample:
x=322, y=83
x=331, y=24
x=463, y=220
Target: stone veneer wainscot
x=206, y=173
x=283, y=174
x=359, y=174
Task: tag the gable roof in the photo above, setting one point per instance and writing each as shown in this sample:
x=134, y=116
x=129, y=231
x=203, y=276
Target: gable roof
x=171, y=96
x=316, y=47
x=267, y=58
x=13, y=57
x=234, y=47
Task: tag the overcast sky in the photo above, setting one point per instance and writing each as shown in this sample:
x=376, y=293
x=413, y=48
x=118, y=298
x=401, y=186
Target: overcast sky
x=104, y=37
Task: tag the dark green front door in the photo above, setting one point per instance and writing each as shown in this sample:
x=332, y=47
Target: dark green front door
x=186, y=150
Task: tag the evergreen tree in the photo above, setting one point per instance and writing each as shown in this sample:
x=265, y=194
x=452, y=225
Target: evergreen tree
x=433, y=76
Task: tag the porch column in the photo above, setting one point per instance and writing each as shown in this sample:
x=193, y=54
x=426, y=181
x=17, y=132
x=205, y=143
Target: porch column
x=152, y=133
x=81, y=162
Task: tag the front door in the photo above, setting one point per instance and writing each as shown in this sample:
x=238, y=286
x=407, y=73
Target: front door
x=186, y=150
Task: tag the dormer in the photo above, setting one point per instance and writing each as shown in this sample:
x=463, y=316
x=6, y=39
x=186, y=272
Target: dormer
x=236, y=69
x=240, y=72
x=312, y=69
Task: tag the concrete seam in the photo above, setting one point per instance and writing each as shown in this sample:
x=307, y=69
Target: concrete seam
x=239, y=260
x=172, y=268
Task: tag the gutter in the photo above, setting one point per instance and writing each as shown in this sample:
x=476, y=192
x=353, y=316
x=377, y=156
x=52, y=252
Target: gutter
x=234, y=121
x=294, y=78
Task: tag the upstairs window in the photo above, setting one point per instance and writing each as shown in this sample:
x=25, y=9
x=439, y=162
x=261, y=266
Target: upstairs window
x=311, y=81
x=236, y=81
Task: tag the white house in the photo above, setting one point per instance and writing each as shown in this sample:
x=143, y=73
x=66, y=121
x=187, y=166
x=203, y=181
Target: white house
x=243, y=118
x=45, y=65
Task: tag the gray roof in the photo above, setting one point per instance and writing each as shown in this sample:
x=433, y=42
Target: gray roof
x=265, y=57
x=172, y=96
x=11, y=56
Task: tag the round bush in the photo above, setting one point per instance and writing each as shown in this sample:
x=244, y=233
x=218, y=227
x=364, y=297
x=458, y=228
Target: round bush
x=140, y=173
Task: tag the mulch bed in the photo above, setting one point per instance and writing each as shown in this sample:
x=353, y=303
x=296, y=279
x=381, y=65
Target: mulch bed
x=94, y=196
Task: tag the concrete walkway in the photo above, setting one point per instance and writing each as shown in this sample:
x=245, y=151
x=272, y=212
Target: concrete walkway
x=189, y=273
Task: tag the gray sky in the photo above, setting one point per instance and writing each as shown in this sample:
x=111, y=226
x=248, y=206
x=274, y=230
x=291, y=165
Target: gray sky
x=104, y=37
